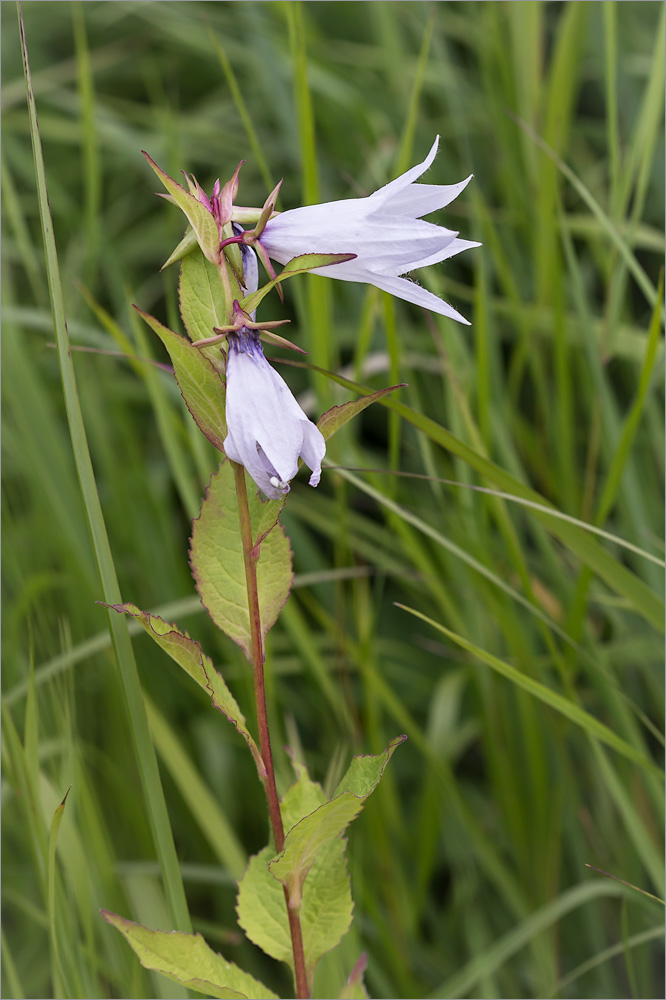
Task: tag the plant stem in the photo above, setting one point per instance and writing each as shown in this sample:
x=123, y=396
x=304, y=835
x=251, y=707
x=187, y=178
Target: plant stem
x=250, y=557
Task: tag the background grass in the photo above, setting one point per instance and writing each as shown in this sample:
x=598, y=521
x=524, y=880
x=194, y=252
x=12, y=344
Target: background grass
x=468, y=864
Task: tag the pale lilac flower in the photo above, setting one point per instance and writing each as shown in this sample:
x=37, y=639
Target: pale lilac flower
x=385, y=231
x=267, y=430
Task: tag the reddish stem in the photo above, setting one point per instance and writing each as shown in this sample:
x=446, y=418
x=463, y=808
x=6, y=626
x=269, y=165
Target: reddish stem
x=250, y=557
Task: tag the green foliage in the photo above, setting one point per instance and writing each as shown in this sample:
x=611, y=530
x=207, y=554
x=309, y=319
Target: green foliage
x=201, y=296
x=298, y=265
x=316, y=830
x=337, y=416
x=200, y=383
x=216, y=555
x=312, y=866
x=188, y=654
x=201, y=220
x=187, y=959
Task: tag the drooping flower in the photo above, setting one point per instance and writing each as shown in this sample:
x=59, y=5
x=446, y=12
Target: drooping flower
x=267, y=430
x=385, y=231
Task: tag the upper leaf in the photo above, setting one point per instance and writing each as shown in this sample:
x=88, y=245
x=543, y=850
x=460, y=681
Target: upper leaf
x=199, y=217
x=216, y=557
x=202, y=387
x=187, y=959
x=202, y=303
x=188, y=654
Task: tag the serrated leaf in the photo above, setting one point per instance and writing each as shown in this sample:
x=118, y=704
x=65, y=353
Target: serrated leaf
x=337, y=416
x=202, y=302
x=298, y=265
x=187, y=959
x=198, y=216
x=301, y=798
x=326, y=906
x=365, y=771
x=201, y=386
x=354, y=988
x=216, y=557
x=305, y=840
x=188, y=654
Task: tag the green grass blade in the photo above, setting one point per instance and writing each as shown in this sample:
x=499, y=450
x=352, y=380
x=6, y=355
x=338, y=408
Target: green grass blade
x=642, y=598
x=56, y=963
x=145, y=753
x=597, y=730
x=619, y=948
x=498, y=954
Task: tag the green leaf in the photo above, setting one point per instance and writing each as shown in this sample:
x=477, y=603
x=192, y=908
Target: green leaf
x=366, y=771
x=326, y=904
x=354, y=988
x=297, y=265
x=188, y=654
x=202, y=387
x=198, y=216
x=187, y=959
x=561, y=704
x=202, y=302
x=305, y=840
x=337, y=416
x=186, y=245
x=216, y=555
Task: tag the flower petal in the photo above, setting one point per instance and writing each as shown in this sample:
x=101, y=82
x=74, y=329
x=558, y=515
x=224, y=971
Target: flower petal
x=411, y=292
x=313, y=450
x=450, y=250
x=267, y=429
x=421, y=199
x=393, y=187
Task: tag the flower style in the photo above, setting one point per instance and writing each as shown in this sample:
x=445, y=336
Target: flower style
x=385, y=231
x=267, y=429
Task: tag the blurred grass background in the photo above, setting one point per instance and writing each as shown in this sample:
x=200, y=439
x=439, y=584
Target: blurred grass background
x=468, y=865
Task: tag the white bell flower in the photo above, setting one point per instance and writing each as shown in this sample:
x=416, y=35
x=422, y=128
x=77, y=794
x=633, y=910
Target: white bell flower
x=385, y=231
x=267, y=430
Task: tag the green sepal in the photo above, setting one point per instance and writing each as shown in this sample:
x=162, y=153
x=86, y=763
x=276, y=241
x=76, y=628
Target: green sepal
x=298, y=265
x=187, y=959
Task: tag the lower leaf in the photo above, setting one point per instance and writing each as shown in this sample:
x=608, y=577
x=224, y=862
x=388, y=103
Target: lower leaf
x=187, y=959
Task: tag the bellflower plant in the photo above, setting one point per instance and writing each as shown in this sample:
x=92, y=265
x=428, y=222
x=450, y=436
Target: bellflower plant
x=240, y=556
